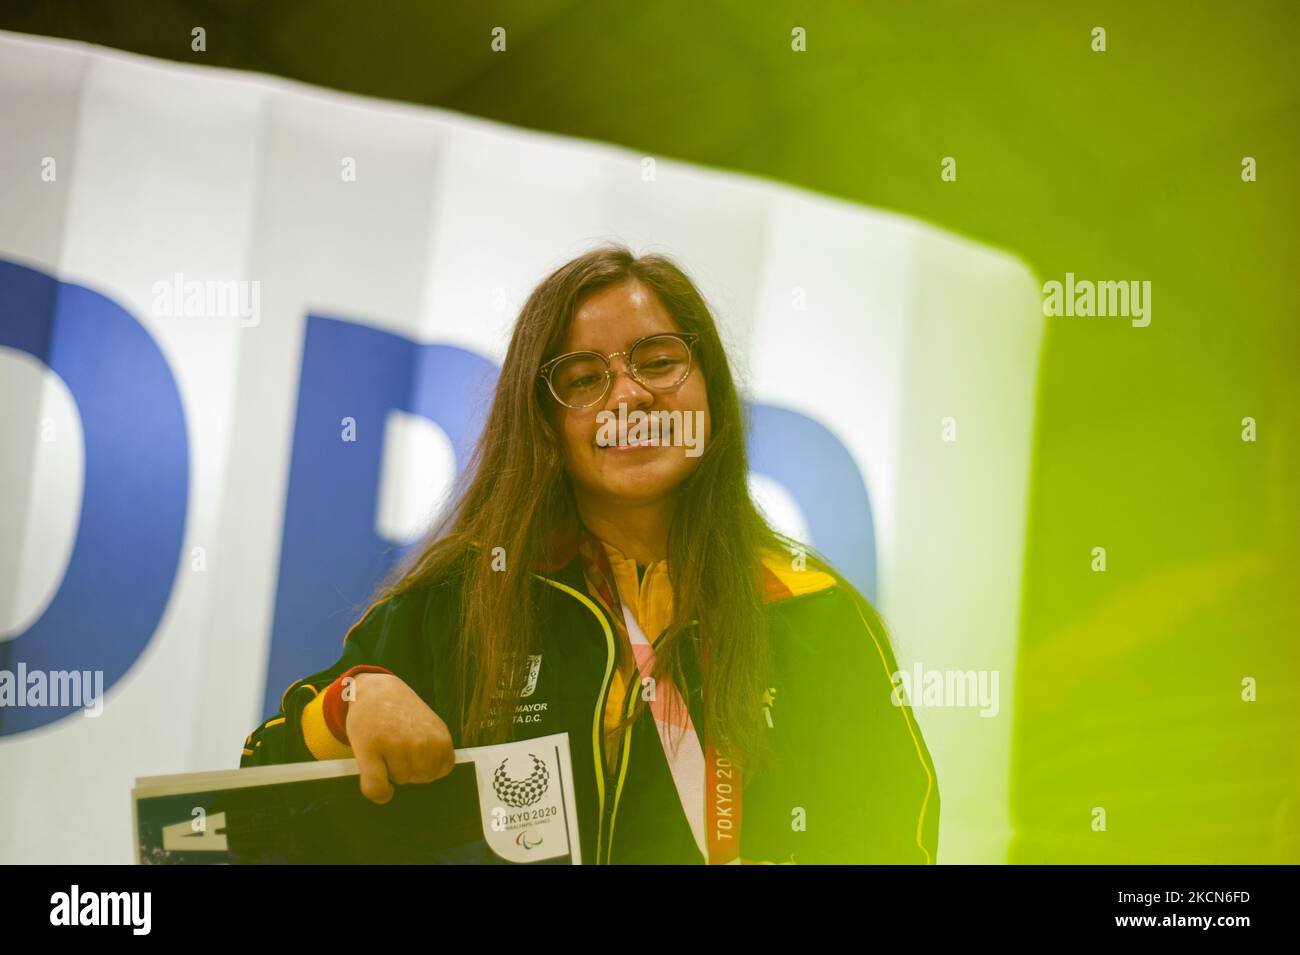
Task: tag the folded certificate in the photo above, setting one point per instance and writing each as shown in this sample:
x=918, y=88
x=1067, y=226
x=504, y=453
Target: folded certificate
x=511, y=803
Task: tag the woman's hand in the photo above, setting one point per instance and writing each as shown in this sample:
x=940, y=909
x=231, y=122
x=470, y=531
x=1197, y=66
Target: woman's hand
x=395, y=736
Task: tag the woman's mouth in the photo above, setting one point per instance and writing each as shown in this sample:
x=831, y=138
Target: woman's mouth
x=633, y=446
x=657, y=438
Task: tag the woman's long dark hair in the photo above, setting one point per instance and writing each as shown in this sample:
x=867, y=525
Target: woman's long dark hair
x=515, y=494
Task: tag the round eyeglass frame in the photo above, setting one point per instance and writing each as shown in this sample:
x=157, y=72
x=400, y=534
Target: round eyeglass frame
x=687, y=338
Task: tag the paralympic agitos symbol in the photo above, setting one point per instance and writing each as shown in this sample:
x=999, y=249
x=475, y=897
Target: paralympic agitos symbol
x=519, y=793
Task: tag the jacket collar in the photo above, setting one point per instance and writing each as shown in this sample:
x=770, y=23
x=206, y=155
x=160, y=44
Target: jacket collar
x=781, y=580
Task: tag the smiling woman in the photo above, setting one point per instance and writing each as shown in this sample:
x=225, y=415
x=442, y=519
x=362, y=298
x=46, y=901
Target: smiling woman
x=735, y=689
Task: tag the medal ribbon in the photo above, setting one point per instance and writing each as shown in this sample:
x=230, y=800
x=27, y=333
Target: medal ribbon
x=708, y=784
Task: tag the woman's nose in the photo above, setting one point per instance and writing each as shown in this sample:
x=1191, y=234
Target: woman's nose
x=626, y=388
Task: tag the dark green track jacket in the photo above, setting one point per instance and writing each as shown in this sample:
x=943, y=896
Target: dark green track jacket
x=852, y=781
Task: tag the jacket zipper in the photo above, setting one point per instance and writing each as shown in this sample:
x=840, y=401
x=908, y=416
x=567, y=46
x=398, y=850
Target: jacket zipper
x=608, y=802
x=607, y=822
x=624, y=756
x=613, y=785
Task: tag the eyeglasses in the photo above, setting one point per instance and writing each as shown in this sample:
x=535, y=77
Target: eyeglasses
x=582, y=378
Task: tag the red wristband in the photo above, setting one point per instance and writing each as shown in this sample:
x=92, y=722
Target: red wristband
x=335, y=708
